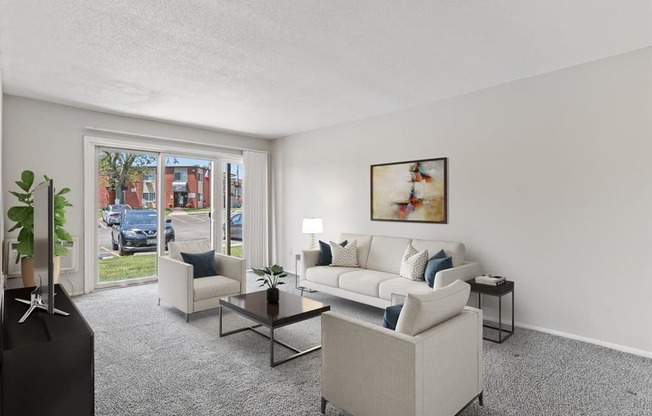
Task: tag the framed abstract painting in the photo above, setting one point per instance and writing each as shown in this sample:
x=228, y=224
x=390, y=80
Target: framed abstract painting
x=414, y=191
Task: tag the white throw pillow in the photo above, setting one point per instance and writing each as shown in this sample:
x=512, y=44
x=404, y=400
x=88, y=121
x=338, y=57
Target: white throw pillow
x=345, y=256
x=414, y=263
x=422, y=312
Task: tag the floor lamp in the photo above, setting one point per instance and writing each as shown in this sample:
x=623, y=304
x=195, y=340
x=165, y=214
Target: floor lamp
x=310, y=226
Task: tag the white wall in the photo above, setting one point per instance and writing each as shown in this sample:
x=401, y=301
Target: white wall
x=2, y=209
x=550, y=184
x=47, y=138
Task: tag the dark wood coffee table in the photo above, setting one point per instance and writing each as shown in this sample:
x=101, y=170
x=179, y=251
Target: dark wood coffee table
x=290, y=309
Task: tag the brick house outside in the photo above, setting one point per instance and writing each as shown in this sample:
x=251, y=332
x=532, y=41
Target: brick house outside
x=185, y=186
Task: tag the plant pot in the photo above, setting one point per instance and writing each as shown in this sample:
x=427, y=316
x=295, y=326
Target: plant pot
x=27, y=270
x=272, y=295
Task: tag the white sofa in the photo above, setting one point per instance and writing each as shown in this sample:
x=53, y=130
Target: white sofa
x=377, y=278
x=369, y=370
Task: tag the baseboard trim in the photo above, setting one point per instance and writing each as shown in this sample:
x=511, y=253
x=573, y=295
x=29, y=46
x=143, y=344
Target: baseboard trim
x=617, y=347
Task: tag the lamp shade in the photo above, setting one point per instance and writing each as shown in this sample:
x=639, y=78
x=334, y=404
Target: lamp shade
x=312, y=226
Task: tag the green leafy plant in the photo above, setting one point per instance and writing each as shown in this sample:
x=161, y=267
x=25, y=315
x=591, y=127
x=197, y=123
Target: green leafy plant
x=270, y=276
x=23, y=216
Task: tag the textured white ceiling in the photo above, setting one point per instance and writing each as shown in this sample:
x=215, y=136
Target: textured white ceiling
x=276, y=67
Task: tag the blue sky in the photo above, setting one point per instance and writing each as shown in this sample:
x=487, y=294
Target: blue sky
x=183, y=161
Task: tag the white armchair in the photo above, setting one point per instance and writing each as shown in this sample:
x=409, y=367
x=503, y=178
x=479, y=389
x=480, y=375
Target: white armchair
x=177, y=287
x=371, y=370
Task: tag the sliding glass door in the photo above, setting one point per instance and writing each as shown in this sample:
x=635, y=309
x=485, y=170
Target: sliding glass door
x=127, y=224
x=143, y=199
x=189, y=196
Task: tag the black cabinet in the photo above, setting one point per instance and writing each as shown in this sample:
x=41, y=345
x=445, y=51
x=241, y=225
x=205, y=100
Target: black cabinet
x=48, y=362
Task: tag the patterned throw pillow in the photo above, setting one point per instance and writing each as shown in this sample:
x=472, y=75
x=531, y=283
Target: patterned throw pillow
x=414, y=263
x=345, y=256
x=325, y=254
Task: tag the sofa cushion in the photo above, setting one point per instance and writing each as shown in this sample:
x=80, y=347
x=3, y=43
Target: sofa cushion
x=345, y=256
x=214, y=286
x=325, y=253
x=452, y=249
x=327, y=275
x=434, y=266
x=364, y=281
x=422, y=312
x=414, y=263
x=203, y=264
x=386, y=254
x=364, y=243
x=401, y=286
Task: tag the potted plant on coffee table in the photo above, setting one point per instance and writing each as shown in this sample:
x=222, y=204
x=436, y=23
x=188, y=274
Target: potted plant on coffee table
x=23, y=216
x=271, y=277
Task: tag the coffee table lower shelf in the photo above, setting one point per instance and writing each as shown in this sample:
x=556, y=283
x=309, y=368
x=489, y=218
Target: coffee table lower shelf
x=272, y=341
x=293, y=309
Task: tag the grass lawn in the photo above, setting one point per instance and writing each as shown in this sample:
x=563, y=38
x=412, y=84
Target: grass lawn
x=235, y=251
x=114, y=269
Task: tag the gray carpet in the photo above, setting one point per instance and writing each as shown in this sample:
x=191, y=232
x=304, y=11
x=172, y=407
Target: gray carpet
x=149, y=361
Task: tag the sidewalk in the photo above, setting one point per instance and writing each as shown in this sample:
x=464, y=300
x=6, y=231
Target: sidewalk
x=177, y=211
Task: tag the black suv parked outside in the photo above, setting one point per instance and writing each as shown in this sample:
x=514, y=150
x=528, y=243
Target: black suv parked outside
x=137, y=232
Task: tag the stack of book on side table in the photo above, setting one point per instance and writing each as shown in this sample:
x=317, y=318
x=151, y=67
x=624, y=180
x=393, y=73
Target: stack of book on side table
x=488, y=279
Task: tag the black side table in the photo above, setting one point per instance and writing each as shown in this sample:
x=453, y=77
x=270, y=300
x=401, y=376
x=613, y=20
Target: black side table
x=498, y=291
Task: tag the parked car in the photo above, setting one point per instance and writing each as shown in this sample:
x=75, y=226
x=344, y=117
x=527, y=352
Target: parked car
x=236, y=226
x=111, y=213
x=137, y=232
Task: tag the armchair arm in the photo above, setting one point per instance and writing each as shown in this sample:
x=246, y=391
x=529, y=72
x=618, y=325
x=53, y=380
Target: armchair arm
x=466, y=271
x=452, y=351
x=232, y=267
x=309, y=258
x=377, y=364
x=175, y=283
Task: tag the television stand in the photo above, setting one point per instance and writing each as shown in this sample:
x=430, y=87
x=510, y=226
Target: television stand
x=47, y=363
x=36, y=302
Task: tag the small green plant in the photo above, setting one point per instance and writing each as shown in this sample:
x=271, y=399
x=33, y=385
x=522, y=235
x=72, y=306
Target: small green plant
x=270, y=276
x=23, y=216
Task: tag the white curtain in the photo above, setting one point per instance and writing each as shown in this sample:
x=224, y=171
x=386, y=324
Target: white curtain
x=255, y=204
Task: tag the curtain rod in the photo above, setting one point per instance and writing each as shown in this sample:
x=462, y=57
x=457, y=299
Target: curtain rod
x=169, y=139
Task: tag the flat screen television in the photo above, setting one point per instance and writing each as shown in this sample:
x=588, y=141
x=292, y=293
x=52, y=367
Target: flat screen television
x=43, y=295
x=44, y=242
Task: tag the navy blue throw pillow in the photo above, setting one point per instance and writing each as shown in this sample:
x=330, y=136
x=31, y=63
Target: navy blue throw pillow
x=390, y=319
x=436, y=265
x=203, y=263
x=325, y=255
x=440, y=255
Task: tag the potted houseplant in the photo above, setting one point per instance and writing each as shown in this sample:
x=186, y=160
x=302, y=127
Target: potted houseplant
x=23, y=216
x=271, y=277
